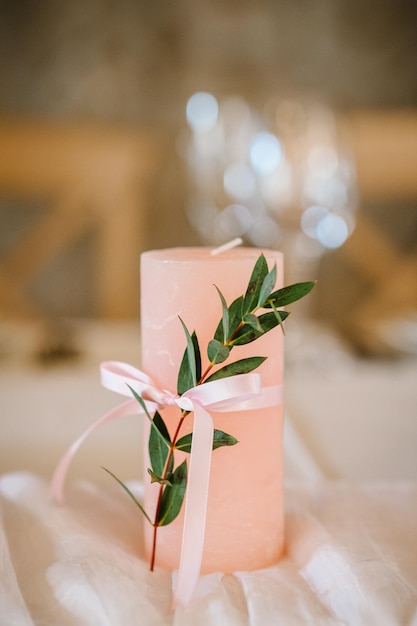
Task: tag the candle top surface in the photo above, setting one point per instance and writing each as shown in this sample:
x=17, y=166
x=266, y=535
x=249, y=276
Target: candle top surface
x=185, y=254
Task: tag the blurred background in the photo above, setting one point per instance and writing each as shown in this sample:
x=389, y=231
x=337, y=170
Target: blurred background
x=132, y=125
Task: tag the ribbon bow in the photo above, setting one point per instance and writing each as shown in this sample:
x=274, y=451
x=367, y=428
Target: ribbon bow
x=238, y=393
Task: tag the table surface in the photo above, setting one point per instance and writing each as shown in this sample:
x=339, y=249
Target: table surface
x=351, y=555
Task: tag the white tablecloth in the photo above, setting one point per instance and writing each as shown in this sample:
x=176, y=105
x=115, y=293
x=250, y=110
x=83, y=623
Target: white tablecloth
x=351, y=558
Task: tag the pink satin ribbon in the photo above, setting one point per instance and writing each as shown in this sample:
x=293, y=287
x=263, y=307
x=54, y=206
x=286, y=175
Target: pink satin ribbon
x=235, y=393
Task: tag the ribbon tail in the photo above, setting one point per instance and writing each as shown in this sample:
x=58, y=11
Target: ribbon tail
x=60, y=473
x=195, y=507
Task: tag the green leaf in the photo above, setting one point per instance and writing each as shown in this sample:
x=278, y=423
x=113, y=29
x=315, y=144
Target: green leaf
x=158, y=479
x=173, y=496
x=158, y=446
x=256, y=280
x=184, y=443
x=289, y=294
x=217, y=352
x=268, y=321
x=190, y=352
x=238, y=367
x=219, y=439
x=278, y=315
x=253, y=321
x=235, y=318
x=185, y=374
x=225, y=316
x=148, y=415
x=129, y=493
x=267, y=286
x=141, y=402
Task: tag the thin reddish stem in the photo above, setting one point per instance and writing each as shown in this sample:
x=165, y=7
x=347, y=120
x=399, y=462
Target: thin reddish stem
x=161, y=488
x=171, y=452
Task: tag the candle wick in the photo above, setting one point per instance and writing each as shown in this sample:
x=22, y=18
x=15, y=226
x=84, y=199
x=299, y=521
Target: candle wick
x=227, y=246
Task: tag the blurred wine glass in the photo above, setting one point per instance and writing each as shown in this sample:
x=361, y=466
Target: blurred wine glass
x=282, y=177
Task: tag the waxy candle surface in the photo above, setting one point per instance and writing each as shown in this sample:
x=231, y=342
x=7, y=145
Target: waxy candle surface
x=244, y=529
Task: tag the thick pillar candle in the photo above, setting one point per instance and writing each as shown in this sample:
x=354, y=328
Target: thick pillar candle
x=244, y=527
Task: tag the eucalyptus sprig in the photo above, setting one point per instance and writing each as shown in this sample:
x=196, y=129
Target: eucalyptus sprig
x=247, y=318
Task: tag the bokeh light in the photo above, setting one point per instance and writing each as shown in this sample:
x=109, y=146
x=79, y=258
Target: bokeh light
x=202, y=111
x=265, y=153
x=311, y=218
x=264, y=233
x=332, y=231
x=239, y=181
x=235, y=220
x=289, y=183
x=277, y=188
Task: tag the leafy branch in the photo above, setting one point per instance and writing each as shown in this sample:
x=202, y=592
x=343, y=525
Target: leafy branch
x=247, y=318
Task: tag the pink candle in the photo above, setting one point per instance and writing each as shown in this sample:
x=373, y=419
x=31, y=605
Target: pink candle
x=244, y=528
